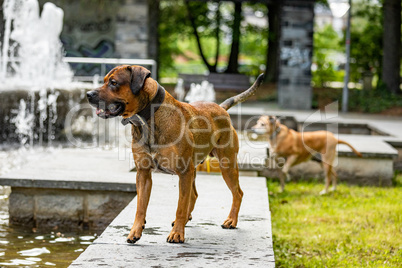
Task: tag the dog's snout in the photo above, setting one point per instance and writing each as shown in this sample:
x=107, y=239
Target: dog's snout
x=90, y=95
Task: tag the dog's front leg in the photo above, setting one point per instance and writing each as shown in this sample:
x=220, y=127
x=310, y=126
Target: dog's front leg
x=185, y=184
x=144, y=185
x=285, y=170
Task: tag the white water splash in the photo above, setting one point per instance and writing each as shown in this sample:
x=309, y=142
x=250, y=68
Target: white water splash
x=37, y=47
x=179, y=90
x=24, y=122
x=203, y=92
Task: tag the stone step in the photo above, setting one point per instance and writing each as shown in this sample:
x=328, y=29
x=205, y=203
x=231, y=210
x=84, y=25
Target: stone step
x=206, y=243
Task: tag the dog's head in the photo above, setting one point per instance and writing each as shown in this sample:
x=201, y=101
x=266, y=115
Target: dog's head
x=120, y=93
x=266, y=124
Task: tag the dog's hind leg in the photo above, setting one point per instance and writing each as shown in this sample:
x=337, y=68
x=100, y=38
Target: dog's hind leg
x=230, y=172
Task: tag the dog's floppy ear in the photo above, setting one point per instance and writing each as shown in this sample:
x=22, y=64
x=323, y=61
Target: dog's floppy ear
x=138, y=76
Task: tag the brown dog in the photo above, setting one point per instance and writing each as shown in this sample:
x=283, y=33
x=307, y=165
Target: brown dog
x=171, y=137
x=299, y=147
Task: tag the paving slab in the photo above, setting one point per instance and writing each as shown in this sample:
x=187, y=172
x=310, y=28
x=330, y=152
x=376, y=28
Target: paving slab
x=206, y=243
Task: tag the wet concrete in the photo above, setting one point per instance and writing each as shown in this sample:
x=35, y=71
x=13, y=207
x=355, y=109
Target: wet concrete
x=206, y=243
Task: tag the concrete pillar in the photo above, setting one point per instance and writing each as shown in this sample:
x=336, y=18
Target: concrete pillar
x=131, y=40
x=296, y=49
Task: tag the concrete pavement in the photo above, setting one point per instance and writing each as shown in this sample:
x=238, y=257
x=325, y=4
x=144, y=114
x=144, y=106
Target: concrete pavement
x=206, y=243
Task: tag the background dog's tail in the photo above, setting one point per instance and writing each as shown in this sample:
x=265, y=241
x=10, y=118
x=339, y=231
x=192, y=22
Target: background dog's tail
x=351, y=147
x=242, y=96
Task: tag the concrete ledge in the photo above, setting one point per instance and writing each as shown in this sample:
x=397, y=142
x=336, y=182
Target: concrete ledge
x=76, y=169
x=206, y=244
x=63, y=209
x=375, y=168
x=12, y=181
x=352, y=170
x=70, y=189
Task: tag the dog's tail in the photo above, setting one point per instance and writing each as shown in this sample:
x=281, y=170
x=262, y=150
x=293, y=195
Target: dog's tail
x=351, y=147
x=242, y=96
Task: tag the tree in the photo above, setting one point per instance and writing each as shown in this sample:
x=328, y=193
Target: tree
x=274, y=24
x=213, y=31
x=233, y=63
x=392, y=45
x=366, y=41
x=326, y=44
x=197, y=17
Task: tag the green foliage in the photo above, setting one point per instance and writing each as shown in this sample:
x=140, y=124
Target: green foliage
x=173, y=25
x=326, y=44
x=373, y=101
x=176, y=38
x=351, y=227
x=366, y=39
x=253, y=43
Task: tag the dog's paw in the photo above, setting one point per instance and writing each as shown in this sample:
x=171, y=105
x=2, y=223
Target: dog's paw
x=135, y=234
x=132, y=240
x=229, y=224
x=323, y=192
x=175, y=237
x=189, y=219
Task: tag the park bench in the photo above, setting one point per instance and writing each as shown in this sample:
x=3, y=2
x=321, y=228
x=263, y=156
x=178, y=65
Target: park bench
x=229, y=82
x=221, y=82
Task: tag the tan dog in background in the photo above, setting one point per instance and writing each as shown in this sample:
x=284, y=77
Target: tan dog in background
x=299, y=147
x=174, y=138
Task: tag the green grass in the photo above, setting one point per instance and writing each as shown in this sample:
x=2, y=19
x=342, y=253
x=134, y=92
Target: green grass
x=352, y=227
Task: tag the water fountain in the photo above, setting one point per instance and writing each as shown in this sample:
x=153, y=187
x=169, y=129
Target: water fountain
x=38, y=89
x=36, y=94
x=201, y=92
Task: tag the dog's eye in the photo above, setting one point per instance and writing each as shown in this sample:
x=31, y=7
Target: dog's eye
x=113, y=83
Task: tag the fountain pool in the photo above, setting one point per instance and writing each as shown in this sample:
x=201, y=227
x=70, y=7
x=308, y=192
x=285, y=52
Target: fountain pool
x=36, y=95
x=28, y=247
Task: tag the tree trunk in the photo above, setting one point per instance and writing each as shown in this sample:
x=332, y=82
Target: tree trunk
x=392, y=45
x=233, y=63
x=211, y=68
x=274, y=24
x=217, y=35
x=153, y=36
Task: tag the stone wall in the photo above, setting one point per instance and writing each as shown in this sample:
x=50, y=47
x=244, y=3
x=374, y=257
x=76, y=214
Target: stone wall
x=108, y=29
x=296, y=48
x=64, y=209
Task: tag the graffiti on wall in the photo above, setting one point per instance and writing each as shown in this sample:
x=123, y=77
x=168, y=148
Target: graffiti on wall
x=296, y=57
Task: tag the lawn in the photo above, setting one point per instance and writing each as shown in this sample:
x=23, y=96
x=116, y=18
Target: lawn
x=352, y=227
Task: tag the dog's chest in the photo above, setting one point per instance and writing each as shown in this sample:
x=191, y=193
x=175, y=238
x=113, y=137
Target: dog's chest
x=148, y=147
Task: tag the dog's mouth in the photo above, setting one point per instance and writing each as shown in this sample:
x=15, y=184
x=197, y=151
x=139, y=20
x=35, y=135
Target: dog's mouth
x=259, y=130
x=112, y=110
